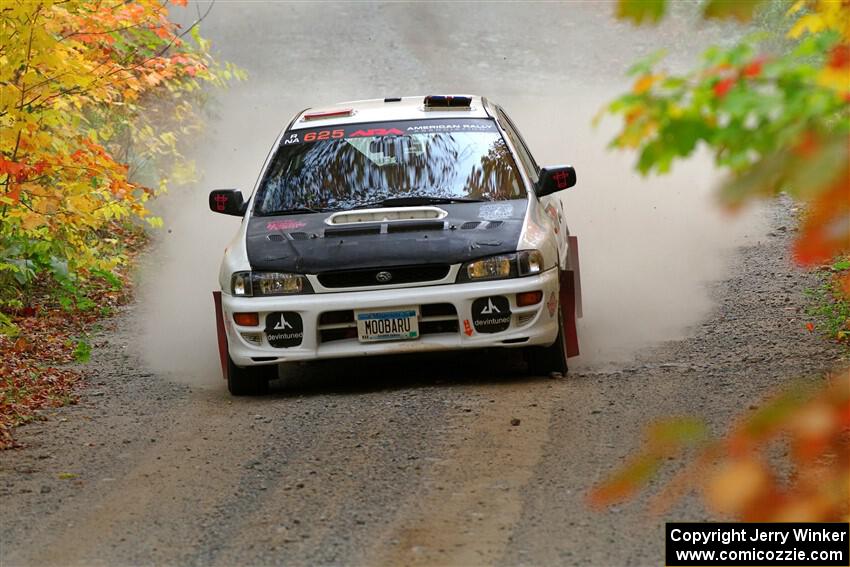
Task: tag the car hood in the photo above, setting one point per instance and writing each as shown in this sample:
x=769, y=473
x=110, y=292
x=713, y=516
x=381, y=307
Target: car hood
x=307, y=244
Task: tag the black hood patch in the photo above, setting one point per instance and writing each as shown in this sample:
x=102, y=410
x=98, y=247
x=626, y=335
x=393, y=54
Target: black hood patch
x=306, y=244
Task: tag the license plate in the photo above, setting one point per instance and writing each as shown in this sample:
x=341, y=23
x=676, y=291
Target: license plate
x=401, y=323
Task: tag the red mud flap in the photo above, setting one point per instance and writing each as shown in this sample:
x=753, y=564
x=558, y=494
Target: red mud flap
x=222, y=336
x=570, y=296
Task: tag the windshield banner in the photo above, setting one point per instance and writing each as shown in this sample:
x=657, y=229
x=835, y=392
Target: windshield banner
x=376, y=129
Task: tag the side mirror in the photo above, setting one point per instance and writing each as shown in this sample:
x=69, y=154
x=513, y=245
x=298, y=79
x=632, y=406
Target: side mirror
x=555, y=178
x=228, y=202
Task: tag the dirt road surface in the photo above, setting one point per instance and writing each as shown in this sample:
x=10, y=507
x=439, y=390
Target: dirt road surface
x=406, y=460
x=403, y=461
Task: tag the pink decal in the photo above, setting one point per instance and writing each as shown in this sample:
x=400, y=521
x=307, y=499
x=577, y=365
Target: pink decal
x=221, y=202
x=285, y=225
x=552, y=304
x=561, y=178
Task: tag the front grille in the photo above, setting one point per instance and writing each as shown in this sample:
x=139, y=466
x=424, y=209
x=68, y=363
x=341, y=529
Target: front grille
x=434, y=318
x=438, y=309
x=400, y=275
x=336, y=317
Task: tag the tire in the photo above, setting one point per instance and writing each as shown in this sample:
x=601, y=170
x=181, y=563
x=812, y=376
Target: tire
x=249, y=381
x=544, y=360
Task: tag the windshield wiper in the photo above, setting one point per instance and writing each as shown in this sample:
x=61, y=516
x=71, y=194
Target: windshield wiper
x=416, y=201
x=293, y=211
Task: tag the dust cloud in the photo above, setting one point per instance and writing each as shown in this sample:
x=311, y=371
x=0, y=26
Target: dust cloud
x=649, y=247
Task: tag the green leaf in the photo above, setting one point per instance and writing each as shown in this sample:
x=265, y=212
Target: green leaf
x=683, y=135
x=741, y=10
x=644, y=66
x=640, y=10
x=82, y=352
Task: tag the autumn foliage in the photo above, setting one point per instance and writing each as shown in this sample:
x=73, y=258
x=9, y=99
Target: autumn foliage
x=775, y=113
x=93, y=99
x=97, y=98
x=776, y=119
x=738, y=475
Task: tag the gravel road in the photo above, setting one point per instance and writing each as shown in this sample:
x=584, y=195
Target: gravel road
x=414, y=460
x=391, y=461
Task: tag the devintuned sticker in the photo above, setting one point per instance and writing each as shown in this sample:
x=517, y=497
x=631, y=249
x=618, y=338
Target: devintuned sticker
x=491, y=314
x=284, y=329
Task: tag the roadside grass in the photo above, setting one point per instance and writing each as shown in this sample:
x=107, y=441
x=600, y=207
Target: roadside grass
x=51, y=331
x=829, y=305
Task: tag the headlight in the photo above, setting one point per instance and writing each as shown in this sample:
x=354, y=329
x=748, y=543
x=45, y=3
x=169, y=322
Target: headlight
x=523, y=263
x=247, y=284
x=530, y=262
x=490, y=268
x=240, y=283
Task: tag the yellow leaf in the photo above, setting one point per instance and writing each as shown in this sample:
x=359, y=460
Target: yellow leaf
x=810, y=23
x=30, y=221
x=645, y=83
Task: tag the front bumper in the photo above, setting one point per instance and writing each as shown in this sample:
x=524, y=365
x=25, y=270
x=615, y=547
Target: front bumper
x=531, y=325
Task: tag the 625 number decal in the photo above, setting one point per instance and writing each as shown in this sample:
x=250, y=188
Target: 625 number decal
x=324, y=135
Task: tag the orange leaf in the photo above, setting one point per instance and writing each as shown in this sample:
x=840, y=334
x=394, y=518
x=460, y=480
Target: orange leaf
x=753, y=69
x=723, y=86
x=826, y=229
x=14, y=192
x=645, y=83
x=839, y=57
x=10, y=167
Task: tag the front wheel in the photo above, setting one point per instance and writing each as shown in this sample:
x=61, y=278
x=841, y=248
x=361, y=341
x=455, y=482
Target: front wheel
x=544, y=360
x=249, y=381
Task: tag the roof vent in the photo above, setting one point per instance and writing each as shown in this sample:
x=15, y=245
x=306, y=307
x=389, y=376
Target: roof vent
x=448, y=101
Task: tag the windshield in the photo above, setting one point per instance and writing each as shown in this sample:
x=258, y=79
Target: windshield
x=355, y=165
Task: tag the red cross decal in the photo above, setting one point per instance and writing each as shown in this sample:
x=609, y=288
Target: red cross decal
x=561, y=178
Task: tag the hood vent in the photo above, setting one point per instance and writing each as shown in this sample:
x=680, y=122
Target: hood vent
x=414, y=226
x=352, y=230
x=390, y=214
x=277, y=237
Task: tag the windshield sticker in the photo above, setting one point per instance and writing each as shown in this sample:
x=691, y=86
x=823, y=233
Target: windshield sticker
x=378, y=129
x=285, y=225
x=372, y=132
x=499, y=211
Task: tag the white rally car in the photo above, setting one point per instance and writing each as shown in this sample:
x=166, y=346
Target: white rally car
x=397, y=225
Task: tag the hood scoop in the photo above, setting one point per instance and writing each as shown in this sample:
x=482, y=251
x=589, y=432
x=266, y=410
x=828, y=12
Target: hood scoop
x=352, y=230
x=389, y=215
